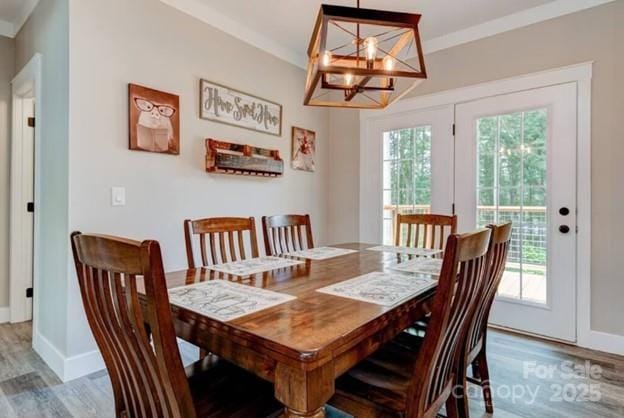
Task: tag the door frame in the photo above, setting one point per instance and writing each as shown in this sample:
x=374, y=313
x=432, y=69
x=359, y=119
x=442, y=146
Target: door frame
x=581, y=74
x=26, y=84
x=371, y=202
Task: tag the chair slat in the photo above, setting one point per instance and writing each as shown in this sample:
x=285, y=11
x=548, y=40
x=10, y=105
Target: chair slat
x=284, y=233
x=430, y=231
x=224, y=236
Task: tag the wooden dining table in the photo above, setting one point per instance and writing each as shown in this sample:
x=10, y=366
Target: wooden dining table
x=303, y=345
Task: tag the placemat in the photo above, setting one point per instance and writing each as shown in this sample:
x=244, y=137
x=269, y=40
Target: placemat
x=254, y=265
x=423, y=252
x=422, y=265
x=224, y=300
x=322, y=253
x=386, y=289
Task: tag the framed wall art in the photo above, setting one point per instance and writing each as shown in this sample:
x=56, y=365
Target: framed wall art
x=226, y=105
x=154, y=120
x=303, y=149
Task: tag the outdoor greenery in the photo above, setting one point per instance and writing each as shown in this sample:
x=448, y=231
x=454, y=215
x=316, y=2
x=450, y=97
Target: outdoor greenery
x=511, y=174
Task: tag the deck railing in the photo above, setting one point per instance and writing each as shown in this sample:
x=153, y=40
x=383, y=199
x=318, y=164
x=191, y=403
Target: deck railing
x=528, y=239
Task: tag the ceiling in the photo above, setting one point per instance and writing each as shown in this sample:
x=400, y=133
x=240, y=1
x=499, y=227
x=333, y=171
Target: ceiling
x=13, y=14
x=283, y=27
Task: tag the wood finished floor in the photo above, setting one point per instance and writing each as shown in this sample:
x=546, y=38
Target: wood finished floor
x=527, y=375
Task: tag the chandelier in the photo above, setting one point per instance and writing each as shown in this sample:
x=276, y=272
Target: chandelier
x=363, y=58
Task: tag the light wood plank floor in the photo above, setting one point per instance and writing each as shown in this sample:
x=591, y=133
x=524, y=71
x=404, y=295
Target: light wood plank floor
x=530, y=378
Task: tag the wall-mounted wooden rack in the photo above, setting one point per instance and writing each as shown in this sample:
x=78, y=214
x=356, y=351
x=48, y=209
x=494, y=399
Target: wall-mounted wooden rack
x=229, y=158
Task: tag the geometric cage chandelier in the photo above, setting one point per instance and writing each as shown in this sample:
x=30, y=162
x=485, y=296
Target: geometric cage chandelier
x=363, y=58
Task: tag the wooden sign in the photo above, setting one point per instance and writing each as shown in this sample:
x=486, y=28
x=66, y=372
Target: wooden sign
x=229, y=158
x=226, y=105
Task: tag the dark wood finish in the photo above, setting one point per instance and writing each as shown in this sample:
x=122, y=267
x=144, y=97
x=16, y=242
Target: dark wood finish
x=242, y=159
x=286, y=233
x=426, y=231
x=475, y=345
x=151, y=381
x=220, y=239
x=413, y=377
x=302, y=345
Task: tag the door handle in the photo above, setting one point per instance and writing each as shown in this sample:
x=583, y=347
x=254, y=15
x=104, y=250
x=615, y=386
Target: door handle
x=564, y=229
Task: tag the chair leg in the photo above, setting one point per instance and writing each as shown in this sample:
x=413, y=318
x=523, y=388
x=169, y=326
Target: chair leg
x=452, y=410
x=484, y=374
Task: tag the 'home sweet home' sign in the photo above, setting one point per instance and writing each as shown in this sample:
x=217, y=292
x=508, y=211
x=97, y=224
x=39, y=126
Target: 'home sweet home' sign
x=223, y=104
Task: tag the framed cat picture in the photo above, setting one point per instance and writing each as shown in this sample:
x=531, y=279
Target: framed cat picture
x=154, y=120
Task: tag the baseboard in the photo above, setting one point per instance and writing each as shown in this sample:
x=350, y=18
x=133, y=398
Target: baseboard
x=82, y=365
x=67, y=368
x=50, y=354
x=5, y=314
x=603, y=341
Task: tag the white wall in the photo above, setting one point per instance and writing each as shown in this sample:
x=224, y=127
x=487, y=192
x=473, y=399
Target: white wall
x=7, y=71
x=597, y=35
x=146, y=42
x=47, y=32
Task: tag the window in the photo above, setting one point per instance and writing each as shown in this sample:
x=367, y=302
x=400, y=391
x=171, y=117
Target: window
x=511, y=171
x=406, y=175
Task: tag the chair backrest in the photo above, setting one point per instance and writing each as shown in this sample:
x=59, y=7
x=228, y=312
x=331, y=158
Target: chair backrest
x=225, y=236
x=461, y=279
x=287, y=233
x=148, y=381
x=425, y=231
x=497, y=257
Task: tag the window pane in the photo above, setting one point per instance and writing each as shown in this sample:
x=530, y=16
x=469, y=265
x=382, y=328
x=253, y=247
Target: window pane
x=511, y=178
x=406, y=174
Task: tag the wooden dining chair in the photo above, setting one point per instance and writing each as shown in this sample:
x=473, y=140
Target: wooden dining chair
x=412, y=376
x=150, y=380
x=287, y=233
x=475, y=345
x=424, y=231
x=219, y=239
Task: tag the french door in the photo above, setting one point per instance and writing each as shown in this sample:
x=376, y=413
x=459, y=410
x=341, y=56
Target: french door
x=416, y=153
x=518, y=163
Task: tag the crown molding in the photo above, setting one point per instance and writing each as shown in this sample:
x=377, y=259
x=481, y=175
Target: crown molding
x=7, y=29
x=26, y=10
x=510, y=22
x=11, y=29
x=200, y=10
x=554, y=9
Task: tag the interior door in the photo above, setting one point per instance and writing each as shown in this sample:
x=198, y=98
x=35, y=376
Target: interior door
x=518, y=163
x=416, y=154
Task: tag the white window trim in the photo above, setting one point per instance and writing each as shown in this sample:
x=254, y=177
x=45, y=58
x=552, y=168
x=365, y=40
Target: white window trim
x=581, y=74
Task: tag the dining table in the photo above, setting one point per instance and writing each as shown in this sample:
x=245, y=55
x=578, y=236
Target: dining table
x=303, y=345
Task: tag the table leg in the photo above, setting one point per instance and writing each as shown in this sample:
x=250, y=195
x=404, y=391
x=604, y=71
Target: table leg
x=304, y=393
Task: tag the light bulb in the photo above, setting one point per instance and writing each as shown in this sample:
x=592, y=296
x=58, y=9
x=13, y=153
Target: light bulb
x=348, y=79
x=370, y=44
x=326, y=58
x=388, y=63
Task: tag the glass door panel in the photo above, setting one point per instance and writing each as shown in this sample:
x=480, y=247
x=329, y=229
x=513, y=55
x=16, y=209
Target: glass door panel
x=406, y=175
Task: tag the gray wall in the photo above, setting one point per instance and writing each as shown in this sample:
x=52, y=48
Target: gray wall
x=593, y=35
x=47, y=32
x=7, y=71
x=117, y=42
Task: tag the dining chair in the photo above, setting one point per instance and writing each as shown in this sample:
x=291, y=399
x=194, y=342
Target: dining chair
x=224, y=237
x=287, y=233
x=424, y=230
x=475, y=345
x=138, y=343
x=412, y=376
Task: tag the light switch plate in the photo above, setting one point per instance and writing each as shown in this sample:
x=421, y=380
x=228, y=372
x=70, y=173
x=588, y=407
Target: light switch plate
x=118, y=196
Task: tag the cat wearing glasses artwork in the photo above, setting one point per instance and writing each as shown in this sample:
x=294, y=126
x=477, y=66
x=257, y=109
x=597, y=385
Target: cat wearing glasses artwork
x=154, y=120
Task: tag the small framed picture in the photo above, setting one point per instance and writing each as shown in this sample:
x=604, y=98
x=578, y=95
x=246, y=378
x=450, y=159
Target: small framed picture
x=154, y=120
x=303, y=149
